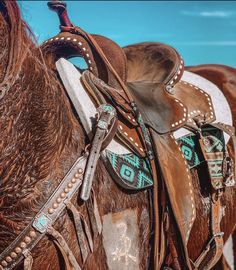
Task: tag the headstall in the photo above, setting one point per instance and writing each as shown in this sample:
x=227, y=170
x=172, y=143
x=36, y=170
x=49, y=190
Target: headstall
x=82, y=171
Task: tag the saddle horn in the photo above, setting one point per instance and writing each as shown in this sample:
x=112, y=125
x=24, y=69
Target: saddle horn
x=60, y=8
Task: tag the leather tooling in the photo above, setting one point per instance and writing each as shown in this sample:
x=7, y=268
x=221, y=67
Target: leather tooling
x=129, y=122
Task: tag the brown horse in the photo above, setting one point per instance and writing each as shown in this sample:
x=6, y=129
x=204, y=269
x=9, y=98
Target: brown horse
x=41, y=138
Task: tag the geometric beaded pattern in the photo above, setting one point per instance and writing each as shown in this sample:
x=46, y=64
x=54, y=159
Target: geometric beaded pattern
x=214, y=140
x=215, y=152
x=188, y=145
x=213, y=143
x=132, y=171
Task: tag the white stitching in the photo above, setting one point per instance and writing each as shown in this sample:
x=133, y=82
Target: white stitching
x=184, y=114
x=75, y=40
x=191, y=191
x=208, y=99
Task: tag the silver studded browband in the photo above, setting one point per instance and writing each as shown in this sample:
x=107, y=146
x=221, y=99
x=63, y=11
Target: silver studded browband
x=20, y=248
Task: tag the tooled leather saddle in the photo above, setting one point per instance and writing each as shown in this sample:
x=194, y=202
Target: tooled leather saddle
x=143, y=82
x=142, y=102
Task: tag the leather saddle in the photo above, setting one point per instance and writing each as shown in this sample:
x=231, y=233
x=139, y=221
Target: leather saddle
x=144, y=78
x=167, y=104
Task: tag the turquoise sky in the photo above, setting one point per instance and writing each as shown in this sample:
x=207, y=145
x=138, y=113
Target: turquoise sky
x=202, y=31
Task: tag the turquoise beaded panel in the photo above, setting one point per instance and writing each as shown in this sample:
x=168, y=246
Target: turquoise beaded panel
x=131, y=171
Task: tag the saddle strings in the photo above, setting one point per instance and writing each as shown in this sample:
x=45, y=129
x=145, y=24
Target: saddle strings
x=69, y=258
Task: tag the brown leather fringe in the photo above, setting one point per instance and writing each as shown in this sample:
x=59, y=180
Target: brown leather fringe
x=28, y=262
x=66, y=252
x=82, y=231
x=94, y=215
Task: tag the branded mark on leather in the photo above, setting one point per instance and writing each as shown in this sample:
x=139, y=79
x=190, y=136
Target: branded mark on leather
x=120, y=240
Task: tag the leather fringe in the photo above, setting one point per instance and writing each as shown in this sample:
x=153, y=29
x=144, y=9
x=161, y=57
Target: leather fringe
x=28, y=261
x=66, y=252
x=82, y=231
x=94, y=215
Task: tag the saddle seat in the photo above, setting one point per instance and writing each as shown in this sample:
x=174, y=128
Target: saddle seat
x=153, y=62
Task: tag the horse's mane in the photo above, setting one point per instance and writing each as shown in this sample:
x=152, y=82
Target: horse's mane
x=20, y=40
x=39, y=135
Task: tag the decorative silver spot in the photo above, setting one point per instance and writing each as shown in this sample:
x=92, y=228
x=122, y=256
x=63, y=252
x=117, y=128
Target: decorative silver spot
x=170, y=89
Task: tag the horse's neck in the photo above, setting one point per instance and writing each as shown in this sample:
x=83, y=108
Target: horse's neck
x=39, y=136
x=4, y=47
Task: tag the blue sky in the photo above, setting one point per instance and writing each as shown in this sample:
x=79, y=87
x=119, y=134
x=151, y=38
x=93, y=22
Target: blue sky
x=202, y=31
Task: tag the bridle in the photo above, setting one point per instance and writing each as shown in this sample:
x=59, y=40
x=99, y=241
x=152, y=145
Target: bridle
x=82, y=171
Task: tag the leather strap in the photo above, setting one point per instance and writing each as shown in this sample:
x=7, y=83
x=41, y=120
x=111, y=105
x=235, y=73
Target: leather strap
x=216, y=232
x=157, y=265
x=46, y=217
x=112, y=94
x=64, y=248
x=174, y=169
x=216, y=242
x=230, y=178
x=28, y=261
x=82, y=241
x=107, y=115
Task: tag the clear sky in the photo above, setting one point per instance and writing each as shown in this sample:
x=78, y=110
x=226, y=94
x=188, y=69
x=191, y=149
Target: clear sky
x=202, y=31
